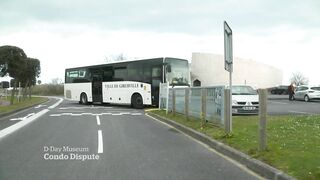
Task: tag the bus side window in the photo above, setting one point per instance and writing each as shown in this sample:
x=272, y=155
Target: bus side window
x=120, y=74
x=135, y=71
x=147, y=74
x=108, y=74
x=156, y=72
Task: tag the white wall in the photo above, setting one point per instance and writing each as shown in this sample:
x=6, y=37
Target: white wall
x=209, y=69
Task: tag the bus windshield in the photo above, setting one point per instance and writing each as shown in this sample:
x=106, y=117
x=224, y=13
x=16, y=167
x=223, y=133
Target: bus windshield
x=243, y=90
x=177, y=72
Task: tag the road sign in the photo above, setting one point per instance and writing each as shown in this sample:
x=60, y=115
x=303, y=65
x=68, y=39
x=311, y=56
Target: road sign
x=228, y=54
x=228, y=65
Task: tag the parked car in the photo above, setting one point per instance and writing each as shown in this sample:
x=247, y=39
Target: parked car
x=307, y=93
x=279, y=90
x=245, y=100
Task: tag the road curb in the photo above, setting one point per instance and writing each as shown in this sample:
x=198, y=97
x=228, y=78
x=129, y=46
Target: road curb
x=20, y=109
x=255, y=165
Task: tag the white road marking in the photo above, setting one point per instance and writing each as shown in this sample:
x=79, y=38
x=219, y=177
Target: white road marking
x=100, y=142
x=86, y=107
x=98, y=120
x=116, y=114
x=106, y=113
x=56, y=115
x=29, y=115
x=96, y=114
x=15, y=119
x=92, y=114
x=39, y=106
x=20, y=124
x=66, y=113
x=56, y=104
x=86, y=113
x=22, y=118
x=136, y=114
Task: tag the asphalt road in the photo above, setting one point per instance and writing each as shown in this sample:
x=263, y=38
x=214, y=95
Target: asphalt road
x=72, y=141
x=280, y=105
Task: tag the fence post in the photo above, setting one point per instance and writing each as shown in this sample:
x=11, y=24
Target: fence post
x=203, y=106
x=160, y=96
x=167, y=97
x=227, y=122
x=19, y=92
x=173, y=101
x=186, y=102
x=263, y=119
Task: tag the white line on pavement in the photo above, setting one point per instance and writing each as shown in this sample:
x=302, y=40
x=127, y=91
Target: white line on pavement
x=56, y=104
x=86, y=107
x=55, y=115
x=98, y=120
x=20, y=124
x=29, y=115
x=86, y=113
x=66, y=113
x=39, y=106
x=96, y=114
x=136, y=114
x=100, y=142
x=106, y=113
x=116, y=114
x=22, y=118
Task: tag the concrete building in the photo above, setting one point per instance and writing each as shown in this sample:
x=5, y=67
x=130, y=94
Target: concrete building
x=208, y=70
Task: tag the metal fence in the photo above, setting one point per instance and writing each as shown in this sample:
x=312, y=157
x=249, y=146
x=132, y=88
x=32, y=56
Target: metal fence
x=199, y=102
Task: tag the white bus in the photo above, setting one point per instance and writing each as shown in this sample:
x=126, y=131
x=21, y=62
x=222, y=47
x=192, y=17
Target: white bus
x=134, y=83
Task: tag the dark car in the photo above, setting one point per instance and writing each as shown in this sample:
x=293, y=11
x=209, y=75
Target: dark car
x=279, y=90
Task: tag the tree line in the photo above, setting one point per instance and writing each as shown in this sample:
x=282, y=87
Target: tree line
x=24, y=70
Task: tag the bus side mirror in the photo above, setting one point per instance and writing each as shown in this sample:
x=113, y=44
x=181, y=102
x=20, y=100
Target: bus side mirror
x=168, y=68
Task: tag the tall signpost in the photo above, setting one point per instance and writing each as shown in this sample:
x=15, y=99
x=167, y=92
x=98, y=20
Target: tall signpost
x=228, y=66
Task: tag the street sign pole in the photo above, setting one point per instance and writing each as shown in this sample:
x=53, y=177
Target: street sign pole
x=228, y=65
x=230, y=111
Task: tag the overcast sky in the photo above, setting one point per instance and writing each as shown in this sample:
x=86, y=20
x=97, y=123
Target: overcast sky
x=69, y=33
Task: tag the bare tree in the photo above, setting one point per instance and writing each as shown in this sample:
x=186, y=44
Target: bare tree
x=116, y=58
x=299, y=79
x=120, y=57
x=56, y=81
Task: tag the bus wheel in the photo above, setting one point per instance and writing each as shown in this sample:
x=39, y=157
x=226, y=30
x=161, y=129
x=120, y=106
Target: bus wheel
x=136, y=101
x=83, y=98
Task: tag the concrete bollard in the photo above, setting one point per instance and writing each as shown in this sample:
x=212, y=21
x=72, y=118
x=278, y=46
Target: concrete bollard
x=173, y=101
x=186, y=102
x=227, y=113
x=262, y=119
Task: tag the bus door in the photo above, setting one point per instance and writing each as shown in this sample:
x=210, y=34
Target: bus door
x=96, y=86
x=156, y=78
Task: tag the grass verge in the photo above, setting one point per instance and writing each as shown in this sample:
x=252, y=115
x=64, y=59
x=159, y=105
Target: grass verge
x=22, y=104
x=293, y=141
